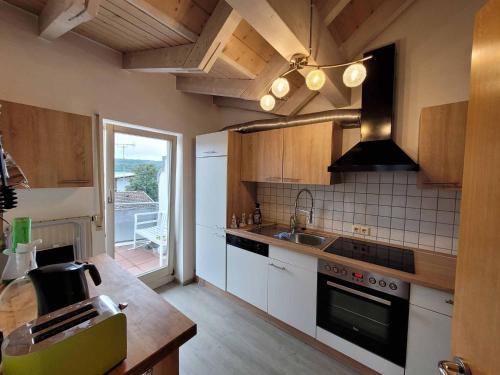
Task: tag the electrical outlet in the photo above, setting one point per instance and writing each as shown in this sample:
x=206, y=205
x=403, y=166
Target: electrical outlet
x=365, y=231
x=361, y=229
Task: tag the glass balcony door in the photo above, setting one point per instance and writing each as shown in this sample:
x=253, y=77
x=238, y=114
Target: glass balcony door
x=140, y=173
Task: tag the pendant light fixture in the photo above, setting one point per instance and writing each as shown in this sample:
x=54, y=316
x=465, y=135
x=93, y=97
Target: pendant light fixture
x=267, y=102
x=353, y=76
x=280, y=87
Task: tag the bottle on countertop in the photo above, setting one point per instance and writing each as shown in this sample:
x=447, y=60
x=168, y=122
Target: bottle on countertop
x=257, y=215
x=250, y=219
x=234, y=222
x=243, y=222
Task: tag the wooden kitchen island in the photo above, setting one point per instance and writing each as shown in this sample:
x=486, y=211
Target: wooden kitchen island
x=155, y=329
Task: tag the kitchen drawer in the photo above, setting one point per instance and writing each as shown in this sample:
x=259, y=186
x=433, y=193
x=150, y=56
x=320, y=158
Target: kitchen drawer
x=291, y=257
x=212, y=144
x=432, y=299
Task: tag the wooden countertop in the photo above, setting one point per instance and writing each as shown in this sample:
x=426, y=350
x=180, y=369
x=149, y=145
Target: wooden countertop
x=155, y=329
x=433, y=270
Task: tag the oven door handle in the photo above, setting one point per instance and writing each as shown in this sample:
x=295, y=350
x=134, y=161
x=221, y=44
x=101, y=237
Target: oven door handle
x=359, y=293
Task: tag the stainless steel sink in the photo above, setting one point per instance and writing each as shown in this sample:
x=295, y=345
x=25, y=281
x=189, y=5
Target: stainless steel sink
x=302, y=238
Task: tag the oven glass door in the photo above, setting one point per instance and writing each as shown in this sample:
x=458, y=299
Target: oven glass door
x=368, y=318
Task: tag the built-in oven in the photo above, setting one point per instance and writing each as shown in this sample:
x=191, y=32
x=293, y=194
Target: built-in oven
x=366, y=309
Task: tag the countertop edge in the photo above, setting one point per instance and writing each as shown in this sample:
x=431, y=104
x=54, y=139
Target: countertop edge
x=439, y=272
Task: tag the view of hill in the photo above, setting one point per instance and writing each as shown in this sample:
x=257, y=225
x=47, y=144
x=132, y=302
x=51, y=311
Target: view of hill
x=127, y=165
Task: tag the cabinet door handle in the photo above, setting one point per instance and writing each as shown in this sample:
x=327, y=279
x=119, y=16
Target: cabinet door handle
x=278, y=267
x=287, y=179
x=450, y=302
x=209, y=152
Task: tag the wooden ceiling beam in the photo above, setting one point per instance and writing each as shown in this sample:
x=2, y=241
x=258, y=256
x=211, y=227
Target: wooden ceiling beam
x=195, y=57
x=213, y=38
x=259, y=86
x=236, y=65
x=212, y=86
x=378, y=21
x=331, y=9
x=283, y=25
x=289, y=107
x=247, y=105
x=60, y=16
x=296, y=101
x=160, y=60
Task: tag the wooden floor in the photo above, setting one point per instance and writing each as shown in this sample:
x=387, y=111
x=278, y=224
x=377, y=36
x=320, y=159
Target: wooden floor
x=233, y=340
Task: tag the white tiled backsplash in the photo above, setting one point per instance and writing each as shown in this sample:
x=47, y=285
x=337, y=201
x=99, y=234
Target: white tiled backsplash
x=390, y=203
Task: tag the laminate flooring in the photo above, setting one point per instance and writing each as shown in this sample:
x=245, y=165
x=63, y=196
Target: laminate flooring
x=232, y=340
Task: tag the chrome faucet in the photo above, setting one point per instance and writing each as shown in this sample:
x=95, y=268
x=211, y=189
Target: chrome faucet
x=293, y=218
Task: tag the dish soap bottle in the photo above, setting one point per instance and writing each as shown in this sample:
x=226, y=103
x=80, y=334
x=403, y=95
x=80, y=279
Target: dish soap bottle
x=257, y=215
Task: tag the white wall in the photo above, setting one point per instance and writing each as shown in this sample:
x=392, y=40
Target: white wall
x=76, y=75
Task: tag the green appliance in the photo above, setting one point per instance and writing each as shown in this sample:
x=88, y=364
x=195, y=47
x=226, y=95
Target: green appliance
x=86, y=338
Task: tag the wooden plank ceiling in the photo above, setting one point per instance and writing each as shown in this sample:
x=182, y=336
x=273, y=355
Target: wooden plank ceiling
x=245, y=60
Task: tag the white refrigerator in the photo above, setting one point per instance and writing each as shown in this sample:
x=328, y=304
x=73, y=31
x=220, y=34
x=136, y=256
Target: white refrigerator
x=211, y=203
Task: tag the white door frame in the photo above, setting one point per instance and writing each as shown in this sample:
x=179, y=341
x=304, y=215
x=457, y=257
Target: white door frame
x=163, y=275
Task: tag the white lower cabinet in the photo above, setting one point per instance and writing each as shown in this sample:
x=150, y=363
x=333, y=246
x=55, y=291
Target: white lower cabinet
x=247, y=276
x=429, y=330
x=292, y=295
x=211, y=255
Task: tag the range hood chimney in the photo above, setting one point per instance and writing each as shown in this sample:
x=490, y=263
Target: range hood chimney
x=377, y=151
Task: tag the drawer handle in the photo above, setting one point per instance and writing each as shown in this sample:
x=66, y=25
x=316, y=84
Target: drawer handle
x=278, y=267
x=209, y=152
x=450, y=302
x=291, y=179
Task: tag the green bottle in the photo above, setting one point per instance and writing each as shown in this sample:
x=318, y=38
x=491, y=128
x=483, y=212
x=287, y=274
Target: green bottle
x=21, y=231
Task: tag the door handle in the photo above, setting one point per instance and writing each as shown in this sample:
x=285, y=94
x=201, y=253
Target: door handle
x=457, y=366
x=110, y=196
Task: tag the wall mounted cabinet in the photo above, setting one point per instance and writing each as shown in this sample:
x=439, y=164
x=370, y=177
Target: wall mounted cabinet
x=262, y=159
x=53, y=148
x=442, y=145
x=298, y=155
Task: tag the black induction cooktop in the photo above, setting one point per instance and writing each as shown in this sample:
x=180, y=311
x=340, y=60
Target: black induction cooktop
x=382, y=255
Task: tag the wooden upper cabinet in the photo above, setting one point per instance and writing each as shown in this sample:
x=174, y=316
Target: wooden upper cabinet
x=308, y=151
x=299, y=155
x=442, y=145
x=262, y=156
x=54, y=149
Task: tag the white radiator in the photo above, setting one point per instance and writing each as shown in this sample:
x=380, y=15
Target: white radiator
x=76, y=231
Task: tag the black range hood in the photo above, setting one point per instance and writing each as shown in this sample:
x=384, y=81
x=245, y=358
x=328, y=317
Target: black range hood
x=377, y=151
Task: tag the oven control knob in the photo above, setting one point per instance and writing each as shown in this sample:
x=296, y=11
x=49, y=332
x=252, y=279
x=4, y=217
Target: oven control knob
x=328, y=268
x=393, y=286
x=382, y=283
x=335, y=269
x=343, y=272
x=372, y=280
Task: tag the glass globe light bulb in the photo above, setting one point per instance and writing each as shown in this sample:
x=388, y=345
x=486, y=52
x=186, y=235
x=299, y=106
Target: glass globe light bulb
x=267, y=102
x=354, y=75
x=280, y=87
x=315, y=79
